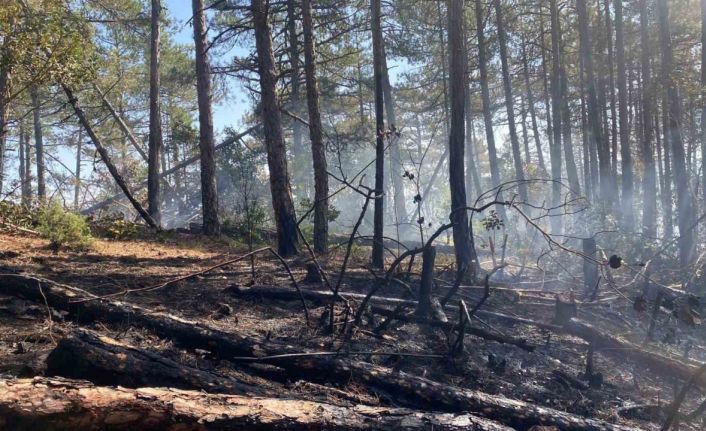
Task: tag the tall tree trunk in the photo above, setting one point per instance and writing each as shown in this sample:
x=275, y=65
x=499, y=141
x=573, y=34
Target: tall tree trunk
x=282, y=203
x=396, y=166
x=555, y=150
x=155, y=136
x=545, y=85
x=530, y=102
x=649, y=180
x=38, y=144
x=28, y=168
x=472, y=177
x=4, y=111
x=703, y=102
x=22, y=170
x=318, y=149
x=611, y=87
x=626, y=157
x=685, y=204
x=463, y=241
x=209, y=194
x=485, y=98
x=77, y=172
x=571, y=171
x=106, y=158
x=607, y=193
x=295, y=96
x=509, y=103
x=378, y=250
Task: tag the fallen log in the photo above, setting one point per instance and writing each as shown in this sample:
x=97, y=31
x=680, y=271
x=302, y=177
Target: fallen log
x=414, y=391
x=320, y=296
x=608, y=344
x=105, y=361
x=614, y=346
x=68, y=405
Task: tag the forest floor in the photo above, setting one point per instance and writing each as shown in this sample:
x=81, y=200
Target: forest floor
x=631, y=394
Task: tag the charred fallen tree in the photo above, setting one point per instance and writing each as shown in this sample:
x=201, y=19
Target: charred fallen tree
x=67, y=405
x=412, y=390
x=105, y=361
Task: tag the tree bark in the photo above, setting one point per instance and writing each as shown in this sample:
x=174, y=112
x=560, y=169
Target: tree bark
x=4, y=113
x=105, y=361
x=703, y=101
x=595, y=137
x=685, y=204
x=555, y=150
x=106, y=158
x=77, y=172
x=509, y=103
x=532, y=111
x=155, y=137
x=38, y=144
x=209, y=194
x=318, y=148
x=626, y=157
x=463, y=240
x=649, y=180
x=379, y=211
x=67, y=405
x=285, y=218
x=485, y=98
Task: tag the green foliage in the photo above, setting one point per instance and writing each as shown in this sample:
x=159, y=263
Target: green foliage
x=63, y=228
x=248, y=221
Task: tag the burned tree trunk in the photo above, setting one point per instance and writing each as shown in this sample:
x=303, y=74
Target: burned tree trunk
x=154, y=196
x=67, y=405
x=463, y=240
x=509, y=103
x=285, y=219
x=105, y=361
x=209, y=195
x=375, y=25
x=318, y=149
x=38, y=144
x=649, y=181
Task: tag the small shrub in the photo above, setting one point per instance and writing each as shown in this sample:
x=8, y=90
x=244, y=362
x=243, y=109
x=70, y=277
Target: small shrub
x=64, y=229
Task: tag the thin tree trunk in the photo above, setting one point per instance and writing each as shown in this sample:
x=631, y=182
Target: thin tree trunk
x=77, y=172
x=509, y=104
x=530, y=101
x=472, y=177
x=685, y=205
x=22, y=170
x=571, y=171
x=106, y=158
x=28, y=168
x=209, y=194
x=121, y=123
x=4, y=113
x=594, y=118
x=611, y=85
x=318, y=149
x=38, y=144
x=155, y=137
x=463, y=241
x=378, y=250
x=649, y=181
x=703, y=102
x=487, y=107
x=299, y=179
x=545, y=85
x=396, y=166
x=626, y=158
x=282, y=203
x=555, y=150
